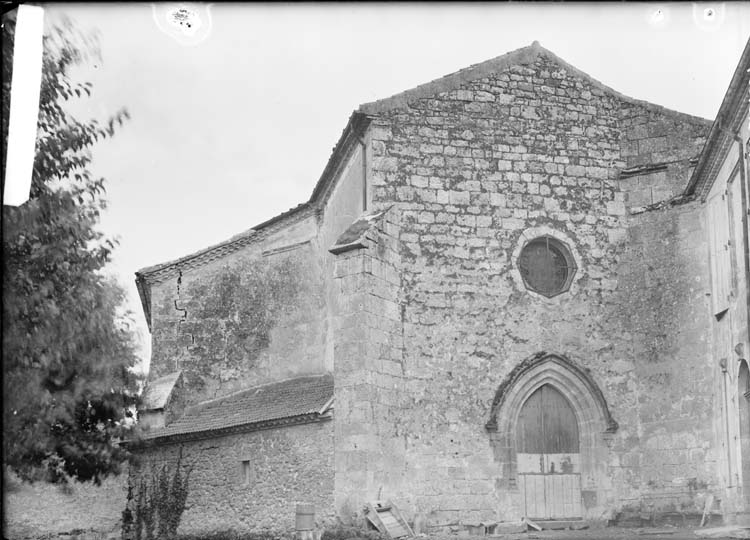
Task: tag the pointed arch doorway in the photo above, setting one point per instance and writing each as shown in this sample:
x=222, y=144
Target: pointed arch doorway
x=549, y=389
x=548, y=454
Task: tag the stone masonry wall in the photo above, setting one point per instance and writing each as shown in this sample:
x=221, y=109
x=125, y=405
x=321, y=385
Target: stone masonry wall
x=666, y=146
x=666, y=454
x=730, y=335
x=369, y=369
x=537, y=149
x=288, y=466
x=262, y=313
x=241, y=321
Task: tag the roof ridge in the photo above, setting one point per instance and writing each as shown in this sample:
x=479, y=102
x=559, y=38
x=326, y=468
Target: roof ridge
x=209, y=402
x=196, y=254
x=246, y=236
x=524, y=55
x=629, y=99
x=445, y=83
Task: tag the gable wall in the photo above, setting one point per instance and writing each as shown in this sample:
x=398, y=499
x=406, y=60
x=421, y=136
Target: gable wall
x=262, y=313
x=250, y=317
x=536, y=147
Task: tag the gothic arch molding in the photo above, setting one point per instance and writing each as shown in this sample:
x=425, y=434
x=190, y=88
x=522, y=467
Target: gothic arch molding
x=574, y=382
x=588, y=403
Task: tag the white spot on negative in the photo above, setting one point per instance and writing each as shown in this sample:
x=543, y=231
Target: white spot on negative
x=658, y=16
x=188, y=24
x=24, y=104
x=708, y=17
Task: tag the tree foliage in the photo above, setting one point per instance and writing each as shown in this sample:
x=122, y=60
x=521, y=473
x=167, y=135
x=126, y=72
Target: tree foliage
x=68, y=345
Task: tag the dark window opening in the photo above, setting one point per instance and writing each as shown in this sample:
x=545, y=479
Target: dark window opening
x=546, y=266
x=248, y=472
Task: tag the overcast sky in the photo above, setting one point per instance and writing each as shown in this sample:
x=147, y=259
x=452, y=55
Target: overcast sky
x=236, y=127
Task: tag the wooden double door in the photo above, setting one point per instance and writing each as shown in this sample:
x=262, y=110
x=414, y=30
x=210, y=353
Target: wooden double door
x=548, y=456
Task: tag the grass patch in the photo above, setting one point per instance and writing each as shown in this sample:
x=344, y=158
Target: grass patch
x=331, y=533
x=232, y=535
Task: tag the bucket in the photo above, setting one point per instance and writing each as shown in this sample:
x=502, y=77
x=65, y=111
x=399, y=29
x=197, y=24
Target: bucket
x=305, y=517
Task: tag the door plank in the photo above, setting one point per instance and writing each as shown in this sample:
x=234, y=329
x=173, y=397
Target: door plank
x=559, y=423
x=548, y=458
x=530, y=427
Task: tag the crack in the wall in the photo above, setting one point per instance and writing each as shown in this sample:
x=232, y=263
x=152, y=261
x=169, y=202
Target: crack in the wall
x=402, y=359
x=184, y=315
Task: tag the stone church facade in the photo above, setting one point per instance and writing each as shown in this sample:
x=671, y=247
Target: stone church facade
x=513, y=292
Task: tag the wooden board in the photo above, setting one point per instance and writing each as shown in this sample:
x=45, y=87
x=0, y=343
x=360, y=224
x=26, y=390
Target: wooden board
x=547, y=424
x=388, y=519
x=720, y=262
x=548, y=456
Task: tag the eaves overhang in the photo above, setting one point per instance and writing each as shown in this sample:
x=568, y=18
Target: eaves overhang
x=732, y=112
x=143, y=443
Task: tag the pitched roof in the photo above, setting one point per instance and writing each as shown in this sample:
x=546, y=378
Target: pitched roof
x=357, y=122
x=157, y=392
x=350, y=136
x=303, y=399
x=524, y=55
x=731, y=113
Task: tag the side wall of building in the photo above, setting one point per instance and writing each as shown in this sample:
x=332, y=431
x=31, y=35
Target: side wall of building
x=729, y=328
x=261, y=313
x=664, y=459
x=247, y=318
x=474, y=173
x=284, y=467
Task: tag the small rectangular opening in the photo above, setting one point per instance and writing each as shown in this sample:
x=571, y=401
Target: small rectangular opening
x=247, y=472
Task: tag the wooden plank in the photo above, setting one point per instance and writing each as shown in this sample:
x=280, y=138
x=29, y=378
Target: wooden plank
x=372, y=515
x=531, y=524
x=530, y=428
x=530, y=463
x=402, y=521
x=388, y=519
x=719, y=249
x=536, y=506
x=563, y=496
x=560, y=427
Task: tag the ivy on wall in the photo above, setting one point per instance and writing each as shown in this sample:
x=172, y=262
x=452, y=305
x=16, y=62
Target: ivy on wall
x=159, y=503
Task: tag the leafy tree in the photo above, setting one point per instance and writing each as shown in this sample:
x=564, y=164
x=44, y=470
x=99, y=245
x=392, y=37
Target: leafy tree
x=68, y=344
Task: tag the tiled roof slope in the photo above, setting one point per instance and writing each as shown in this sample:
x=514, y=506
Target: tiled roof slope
x=206, y=255
x=255, y=407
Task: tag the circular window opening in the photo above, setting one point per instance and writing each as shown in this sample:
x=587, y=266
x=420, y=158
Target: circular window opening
x=547, y=266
